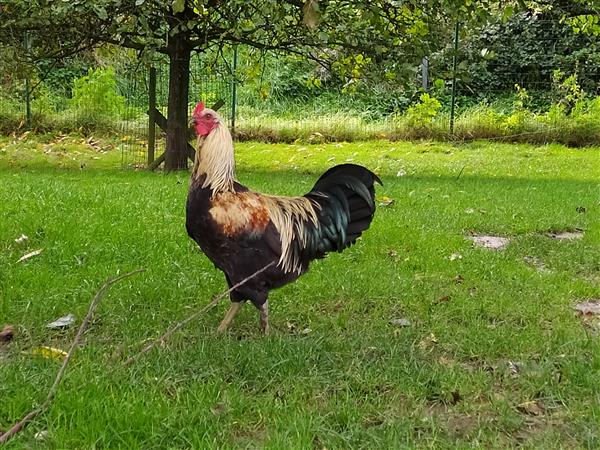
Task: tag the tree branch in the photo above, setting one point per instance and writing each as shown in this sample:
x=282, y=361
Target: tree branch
x=197, y=314
x=21, y=424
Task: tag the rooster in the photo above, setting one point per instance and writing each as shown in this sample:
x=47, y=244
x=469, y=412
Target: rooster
x=242, y=231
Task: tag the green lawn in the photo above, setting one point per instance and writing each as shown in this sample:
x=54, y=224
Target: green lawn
x=488, y=330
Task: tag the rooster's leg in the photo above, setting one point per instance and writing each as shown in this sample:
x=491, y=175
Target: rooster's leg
x=233, y=310
x=264, y=318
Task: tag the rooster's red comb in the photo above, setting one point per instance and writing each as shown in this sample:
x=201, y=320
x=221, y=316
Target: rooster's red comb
x=199, y=108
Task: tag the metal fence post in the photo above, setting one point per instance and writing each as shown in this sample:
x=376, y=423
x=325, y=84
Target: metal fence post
x=425, y=73
x=234, y=88
x=454, y=59
x=151, y=118
x=27, y=105
x=27, y=92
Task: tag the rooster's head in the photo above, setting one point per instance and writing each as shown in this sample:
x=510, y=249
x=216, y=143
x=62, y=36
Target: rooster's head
x=204, y=120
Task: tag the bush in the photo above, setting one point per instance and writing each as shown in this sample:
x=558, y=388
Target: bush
x=423, y=113
x=10, y=116
x=95, y=96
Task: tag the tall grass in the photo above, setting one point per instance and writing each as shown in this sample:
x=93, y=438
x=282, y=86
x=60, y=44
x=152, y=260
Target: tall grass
x=580, y=127
x=96, y=107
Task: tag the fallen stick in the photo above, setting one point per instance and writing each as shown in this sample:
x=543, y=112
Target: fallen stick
x=198, y=313
x=21, y=424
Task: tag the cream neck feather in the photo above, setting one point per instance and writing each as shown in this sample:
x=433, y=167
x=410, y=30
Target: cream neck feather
x=214, y=158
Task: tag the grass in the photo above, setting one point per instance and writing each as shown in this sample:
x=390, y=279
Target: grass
x=472, y=123
x=322, y=122
x=335, y=373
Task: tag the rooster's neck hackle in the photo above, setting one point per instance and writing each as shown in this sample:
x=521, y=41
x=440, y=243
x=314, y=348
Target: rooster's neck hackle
x=215, y=161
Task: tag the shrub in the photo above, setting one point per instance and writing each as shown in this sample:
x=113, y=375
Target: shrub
x=423, y=113
x=95, y=96
x=11, y=118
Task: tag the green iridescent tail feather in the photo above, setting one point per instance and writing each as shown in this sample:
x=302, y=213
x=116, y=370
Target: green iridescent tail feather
x=346, y=196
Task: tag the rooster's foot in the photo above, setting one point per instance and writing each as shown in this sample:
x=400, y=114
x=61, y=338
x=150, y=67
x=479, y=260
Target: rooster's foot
x=233, y=310
x=264, y=318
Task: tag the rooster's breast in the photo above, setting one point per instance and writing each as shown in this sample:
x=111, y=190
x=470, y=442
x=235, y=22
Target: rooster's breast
x=234, y=230
x=239, y=214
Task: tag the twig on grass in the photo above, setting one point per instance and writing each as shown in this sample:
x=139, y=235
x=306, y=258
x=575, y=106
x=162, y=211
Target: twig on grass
x=21, y=424
x=194, y=316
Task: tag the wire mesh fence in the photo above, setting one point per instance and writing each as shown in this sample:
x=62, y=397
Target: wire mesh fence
x=501, y=81
x=207, y=84
x=498, y=82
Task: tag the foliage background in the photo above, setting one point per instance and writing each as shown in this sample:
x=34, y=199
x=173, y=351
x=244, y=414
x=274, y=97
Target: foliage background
x=529, y=75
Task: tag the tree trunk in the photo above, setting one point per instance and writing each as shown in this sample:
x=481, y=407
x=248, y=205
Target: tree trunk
x=176, y=153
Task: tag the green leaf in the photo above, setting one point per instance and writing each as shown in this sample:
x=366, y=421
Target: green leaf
x=100, y=12
x=247, y=25
x=507, y=13
x=178, y=6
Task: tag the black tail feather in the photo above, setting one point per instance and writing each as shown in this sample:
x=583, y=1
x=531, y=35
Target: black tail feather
x=346, y=197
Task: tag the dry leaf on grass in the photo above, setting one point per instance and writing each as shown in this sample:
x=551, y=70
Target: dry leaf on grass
x=385, y=201
x=428, y=342
x=93, y=144
x=400, y=322
x=294, y=329
x=514, y=368
x=532, y=408
x=30, y=255
x=21, y=239
x=443, y=298
x=455, y=256
x=49, y=353
x=62, y=322
x=219, y=409
x=458, y=279
x=41, y=435
x=7, y=333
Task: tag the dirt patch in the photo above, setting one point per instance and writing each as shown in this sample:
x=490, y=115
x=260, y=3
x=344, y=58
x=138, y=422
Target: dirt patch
x=457, y=424
x=532, y=428
x=565, y=235
x=462, y=425
x=490, y=242
x=536, y=263
x=588, y=307
x=589, y=312
x=248, y=435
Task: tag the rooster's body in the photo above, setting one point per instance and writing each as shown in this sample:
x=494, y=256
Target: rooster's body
x=242, y=231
